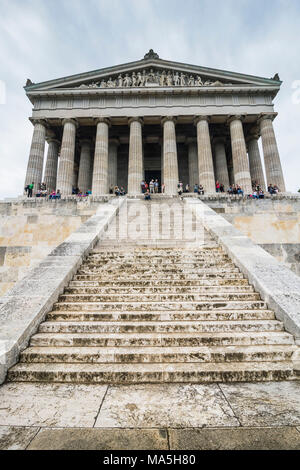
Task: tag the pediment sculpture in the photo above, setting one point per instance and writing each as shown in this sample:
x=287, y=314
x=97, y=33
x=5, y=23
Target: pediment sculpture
x=151, y=77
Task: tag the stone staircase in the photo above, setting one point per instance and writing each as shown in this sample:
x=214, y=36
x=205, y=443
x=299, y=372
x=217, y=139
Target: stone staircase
x=157, y=308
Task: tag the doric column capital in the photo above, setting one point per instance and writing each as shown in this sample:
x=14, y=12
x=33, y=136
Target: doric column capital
x=135, y=119
x=201, y=118
x=70, y=120
x=253, y=134
x=168, y=118
x=264, y=116
x=114, y=141
x=51, y=136
x=52, y=139
x=235, y=117
x=34, y=121
x=101, y=120
x=191, y=140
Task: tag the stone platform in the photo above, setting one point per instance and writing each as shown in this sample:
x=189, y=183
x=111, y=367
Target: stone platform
x=248, y=416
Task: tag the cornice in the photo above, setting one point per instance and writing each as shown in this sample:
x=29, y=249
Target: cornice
x=158, y=63
x=236, y=89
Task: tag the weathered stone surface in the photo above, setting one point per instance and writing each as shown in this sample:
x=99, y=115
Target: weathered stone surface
x=36, y=157
x=273, y=168
x=26, y=305
x=278, y=286
x=100, y=439
x=148, y=406
x=16, y=438
x=239, y=155
x=67, y=154
x=170, y=162
x=100, y=172
x=50, y=405
x=135, y=163
x=85, y=165
x=51, y=165
x=255, y=164
x=205, y=160
x=137, y=336
x=285, y=438
x=268, y=404
x=221, y=162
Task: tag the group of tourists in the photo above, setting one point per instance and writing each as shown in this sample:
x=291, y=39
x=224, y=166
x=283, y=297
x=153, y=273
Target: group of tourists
x=273, y=189
x=153, y=187
x=43, y=192
x=79, y=193
x=117, y=191
x=235, y=189
x=55, y=194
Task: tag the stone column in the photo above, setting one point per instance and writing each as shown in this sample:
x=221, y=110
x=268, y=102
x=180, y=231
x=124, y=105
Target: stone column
x=170, y=162
x=221, y=161
x=113, y=162
x=161, y=143
x=256, y=170
x=193, y=161
x=35, y=164
x=273, y=167
x=67, y=153
x=135, y=162
x=50, y=175
x=84, y=166
x=205, y=160
x=75, y=175
x=100, y=173
x=239, y=154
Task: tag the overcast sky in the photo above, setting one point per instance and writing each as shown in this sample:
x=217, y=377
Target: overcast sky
x=48, y=39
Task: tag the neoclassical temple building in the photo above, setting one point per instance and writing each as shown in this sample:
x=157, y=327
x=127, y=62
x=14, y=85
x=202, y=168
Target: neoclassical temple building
x=153, y=118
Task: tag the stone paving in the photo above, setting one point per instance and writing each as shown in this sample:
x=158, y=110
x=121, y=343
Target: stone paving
x=150, y=416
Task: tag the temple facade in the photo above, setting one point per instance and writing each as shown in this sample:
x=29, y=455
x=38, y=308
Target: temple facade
x=153, y=118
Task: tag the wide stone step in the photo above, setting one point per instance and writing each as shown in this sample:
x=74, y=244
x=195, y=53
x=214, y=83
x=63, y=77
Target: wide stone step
x=167, y=266
x=157, y=354
x=157, y=276
x=219, y=315
x=152, y=373
x=134, y=269
x=159, y=327
x=88, y=290
x=161, y=283
x=208, y=246
x=180, y=297
x=150, y=306
x=162, y=339
x=150, y=243
x=157, y=252
x=158, y=259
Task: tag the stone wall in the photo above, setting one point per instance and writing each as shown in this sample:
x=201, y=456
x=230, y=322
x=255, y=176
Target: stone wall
x=30, y=229
x=273, y=223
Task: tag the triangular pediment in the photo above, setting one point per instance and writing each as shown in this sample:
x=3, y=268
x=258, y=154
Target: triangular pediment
x=152, y=72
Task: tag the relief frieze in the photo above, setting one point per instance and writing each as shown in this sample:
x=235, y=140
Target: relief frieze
x=154, y=78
